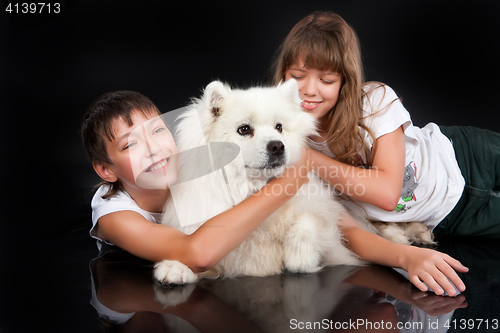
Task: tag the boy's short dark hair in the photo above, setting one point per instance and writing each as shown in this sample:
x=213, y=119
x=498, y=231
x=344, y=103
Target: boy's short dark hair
x=98, y=120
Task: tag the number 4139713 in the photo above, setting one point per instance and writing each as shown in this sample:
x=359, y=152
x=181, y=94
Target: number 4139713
x=33, y=8
x=472, y=324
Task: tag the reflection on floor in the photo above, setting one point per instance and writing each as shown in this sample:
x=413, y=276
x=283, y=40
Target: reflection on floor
x=337, y=298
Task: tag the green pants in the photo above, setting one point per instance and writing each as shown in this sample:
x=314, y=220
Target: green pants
x=477, y=213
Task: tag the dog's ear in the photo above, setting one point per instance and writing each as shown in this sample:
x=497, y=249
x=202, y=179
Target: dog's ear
x=307, y=122
x=291, y=89
x=214, y=95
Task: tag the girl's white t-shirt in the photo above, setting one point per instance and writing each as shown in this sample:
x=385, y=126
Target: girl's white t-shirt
x=119, y=202
x=433, y=182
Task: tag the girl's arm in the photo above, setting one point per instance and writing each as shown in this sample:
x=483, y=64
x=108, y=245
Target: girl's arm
x=379, y=186
x=422, y=265
x=214, y=239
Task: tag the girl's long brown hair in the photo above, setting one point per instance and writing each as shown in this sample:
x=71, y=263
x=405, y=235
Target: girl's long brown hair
x=324, y=41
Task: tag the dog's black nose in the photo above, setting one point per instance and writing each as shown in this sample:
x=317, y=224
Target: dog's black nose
x=277, y=148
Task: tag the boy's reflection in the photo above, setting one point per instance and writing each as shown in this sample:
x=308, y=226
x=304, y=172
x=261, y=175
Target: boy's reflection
x=125, y=297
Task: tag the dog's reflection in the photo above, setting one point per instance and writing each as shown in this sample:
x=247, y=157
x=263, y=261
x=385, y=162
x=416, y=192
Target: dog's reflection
x=127, y=298
x=272, y=302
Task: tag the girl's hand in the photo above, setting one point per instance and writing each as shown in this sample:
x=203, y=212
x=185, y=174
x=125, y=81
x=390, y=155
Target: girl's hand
x=433, y=268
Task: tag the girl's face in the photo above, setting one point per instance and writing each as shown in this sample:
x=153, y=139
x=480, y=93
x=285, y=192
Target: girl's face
x=319, y=90
x=144, y=155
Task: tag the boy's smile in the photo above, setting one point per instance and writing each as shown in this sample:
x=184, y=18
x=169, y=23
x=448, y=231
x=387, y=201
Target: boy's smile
x=158, y=166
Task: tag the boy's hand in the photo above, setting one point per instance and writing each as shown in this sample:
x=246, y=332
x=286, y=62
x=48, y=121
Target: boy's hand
x=433, y=268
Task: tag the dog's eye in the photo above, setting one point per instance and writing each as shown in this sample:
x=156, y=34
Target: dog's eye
x=279, y=127
x=245, y=130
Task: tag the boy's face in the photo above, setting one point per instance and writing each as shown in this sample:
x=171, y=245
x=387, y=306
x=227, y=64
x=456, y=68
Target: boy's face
x=144, y=155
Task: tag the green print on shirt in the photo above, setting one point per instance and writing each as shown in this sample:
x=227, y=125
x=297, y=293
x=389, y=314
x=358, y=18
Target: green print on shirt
x=409, y=186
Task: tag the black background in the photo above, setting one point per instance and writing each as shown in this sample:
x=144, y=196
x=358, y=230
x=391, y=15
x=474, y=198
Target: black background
x=441, y=57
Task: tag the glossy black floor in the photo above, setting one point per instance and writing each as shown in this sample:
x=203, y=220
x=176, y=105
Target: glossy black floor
x=341, y=298
x=64, y=284
x=50, y=286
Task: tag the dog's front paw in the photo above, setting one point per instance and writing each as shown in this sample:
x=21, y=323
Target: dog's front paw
x=174, y=272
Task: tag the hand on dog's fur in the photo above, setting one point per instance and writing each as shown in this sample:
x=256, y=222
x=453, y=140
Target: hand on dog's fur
x=174, y=272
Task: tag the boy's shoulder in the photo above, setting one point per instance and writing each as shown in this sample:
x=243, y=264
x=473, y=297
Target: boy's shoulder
x=119, y=196
x=120, y=201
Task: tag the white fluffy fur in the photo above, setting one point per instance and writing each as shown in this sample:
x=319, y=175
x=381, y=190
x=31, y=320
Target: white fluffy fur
x=301, y=236
x=405, y=232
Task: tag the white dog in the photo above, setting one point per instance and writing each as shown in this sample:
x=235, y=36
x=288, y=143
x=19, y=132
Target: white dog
x=270, y=128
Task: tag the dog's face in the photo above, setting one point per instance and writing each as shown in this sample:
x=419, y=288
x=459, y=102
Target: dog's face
x=267, y=124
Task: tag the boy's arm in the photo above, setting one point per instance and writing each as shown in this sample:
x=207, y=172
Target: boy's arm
x=214, y=239
x=422, y=265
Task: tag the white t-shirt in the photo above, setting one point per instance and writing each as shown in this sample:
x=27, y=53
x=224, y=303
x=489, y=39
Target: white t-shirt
x=118, y=202
x=433, y=182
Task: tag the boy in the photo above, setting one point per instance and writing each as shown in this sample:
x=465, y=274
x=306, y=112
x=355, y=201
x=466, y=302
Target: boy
x=137, y=169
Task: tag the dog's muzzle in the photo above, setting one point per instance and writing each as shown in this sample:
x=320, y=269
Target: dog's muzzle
x=275, y=154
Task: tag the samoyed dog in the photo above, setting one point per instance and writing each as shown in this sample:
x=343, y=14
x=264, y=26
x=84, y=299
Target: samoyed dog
x=269, y=129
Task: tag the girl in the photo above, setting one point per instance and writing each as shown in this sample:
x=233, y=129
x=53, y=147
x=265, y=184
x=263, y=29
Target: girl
x=367, y=142
x=130, y=149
